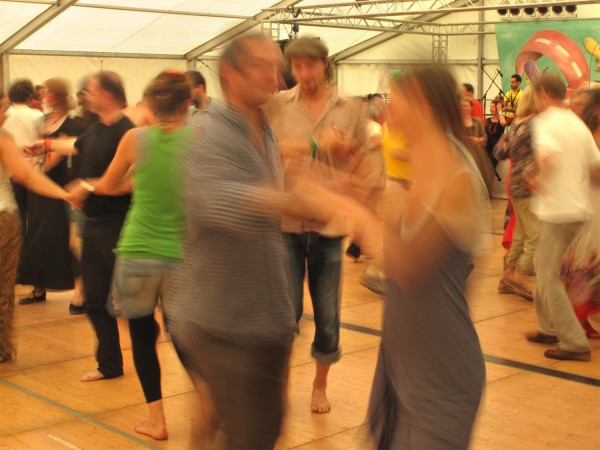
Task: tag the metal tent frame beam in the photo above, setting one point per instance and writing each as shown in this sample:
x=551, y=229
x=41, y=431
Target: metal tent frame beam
x=390, y=8
x=388, y=35
x=95, y=54
x=386, y=16
x=237, y=30
x=162, y=11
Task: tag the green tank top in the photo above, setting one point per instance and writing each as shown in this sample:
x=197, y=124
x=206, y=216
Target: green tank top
x=155, y=222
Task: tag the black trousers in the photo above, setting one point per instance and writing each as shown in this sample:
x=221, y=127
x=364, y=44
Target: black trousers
x=97, y=262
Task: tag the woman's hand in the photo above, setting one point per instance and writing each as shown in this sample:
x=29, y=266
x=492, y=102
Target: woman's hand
x=36, y=148
x=73, y=200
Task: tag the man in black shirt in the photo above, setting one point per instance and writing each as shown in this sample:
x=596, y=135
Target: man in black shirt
x=104, y=216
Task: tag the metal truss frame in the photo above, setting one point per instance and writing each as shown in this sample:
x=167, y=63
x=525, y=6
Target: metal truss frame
x=398, y=16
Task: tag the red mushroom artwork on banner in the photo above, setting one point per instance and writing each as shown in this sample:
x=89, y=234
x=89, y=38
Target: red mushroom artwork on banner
x=561, y=50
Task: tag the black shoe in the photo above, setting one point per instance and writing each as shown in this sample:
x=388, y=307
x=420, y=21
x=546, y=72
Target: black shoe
x=75, y=310
x=564, y=355
x=35, y=298
x=541, y=338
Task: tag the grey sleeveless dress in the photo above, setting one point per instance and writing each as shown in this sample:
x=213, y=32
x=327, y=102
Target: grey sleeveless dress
x=430, y=372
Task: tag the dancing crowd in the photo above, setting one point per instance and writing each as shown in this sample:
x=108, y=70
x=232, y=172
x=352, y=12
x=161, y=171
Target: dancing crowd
x=217, y=210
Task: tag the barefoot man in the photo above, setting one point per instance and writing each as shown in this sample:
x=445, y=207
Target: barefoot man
x=311, y=119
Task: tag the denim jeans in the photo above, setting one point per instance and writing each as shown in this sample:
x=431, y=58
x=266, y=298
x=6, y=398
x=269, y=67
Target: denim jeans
x=323, y=257
x=137, y=285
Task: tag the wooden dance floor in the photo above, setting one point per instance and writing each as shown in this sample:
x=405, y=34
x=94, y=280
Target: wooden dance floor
x=530, y=402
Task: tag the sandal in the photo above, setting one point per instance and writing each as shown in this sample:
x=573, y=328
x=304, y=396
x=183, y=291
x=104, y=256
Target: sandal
x=35, y=298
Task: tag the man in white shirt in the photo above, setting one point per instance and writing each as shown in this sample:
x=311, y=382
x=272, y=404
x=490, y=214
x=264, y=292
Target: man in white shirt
x=567, y=156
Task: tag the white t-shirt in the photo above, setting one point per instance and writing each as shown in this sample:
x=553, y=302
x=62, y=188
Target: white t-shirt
x=22, y=123
x=564, y=195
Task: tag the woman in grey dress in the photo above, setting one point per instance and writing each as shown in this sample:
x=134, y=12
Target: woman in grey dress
x=430, y=372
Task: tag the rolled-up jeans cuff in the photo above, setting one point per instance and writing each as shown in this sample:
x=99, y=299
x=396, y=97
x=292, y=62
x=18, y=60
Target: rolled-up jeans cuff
x=326, y=357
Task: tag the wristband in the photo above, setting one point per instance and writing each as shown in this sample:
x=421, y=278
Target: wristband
x=87, y=186
x=314, y=147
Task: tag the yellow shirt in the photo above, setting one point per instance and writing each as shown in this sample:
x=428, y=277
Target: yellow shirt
x=511, y=101
x=392, y=142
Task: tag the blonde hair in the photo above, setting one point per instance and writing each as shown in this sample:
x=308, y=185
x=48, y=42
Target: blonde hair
x=526, y=106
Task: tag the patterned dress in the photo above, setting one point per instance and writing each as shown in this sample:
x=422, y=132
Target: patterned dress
x=10, y=247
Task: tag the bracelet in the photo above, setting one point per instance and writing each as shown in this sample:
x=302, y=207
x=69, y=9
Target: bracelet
x=314, y=147
x=47, y=145
x=87, y=186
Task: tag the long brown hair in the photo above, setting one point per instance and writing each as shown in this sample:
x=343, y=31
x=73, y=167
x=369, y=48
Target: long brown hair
x=58, y=88
x=440, y=90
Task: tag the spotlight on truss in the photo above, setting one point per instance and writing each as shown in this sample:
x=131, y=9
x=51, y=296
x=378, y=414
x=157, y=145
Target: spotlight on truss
x=571, y=9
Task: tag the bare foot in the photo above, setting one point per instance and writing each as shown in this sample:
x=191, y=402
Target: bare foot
x=158, y=431
x=319, y=403
x=92, y=376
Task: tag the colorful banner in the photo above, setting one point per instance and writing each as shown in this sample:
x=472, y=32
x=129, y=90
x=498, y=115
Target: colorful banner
x=530, y=48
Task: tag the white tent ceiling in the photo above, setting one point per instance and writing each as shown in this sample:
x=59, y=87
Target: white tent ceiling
x=176, y=28
x=43, y=38
x=186, y=29
x=137, y=27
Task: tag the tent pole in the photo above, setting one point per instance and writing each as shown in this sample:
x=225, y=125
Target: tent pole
x=480, y=52
x=4, y=77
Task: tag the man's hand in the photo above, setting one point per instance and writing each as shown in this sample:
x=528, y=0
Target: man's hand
x=338, y=142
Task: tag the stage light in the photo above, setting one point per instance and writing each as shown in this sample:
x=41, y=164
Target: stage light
x=529, y=11
x=503, y=11
x=514, y=11
x=542, y=10
x=571, y=9
x=557, y=9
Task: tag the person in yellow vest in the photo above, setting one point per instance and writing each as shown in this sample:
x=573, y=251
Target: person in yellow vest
x=511, y=100
x=398, y=169
x=398, y=183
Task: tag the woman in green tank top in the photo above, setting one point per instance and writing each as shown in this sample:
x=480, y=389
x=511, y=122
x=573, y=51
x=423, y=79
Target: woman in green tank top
x=149, y=248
